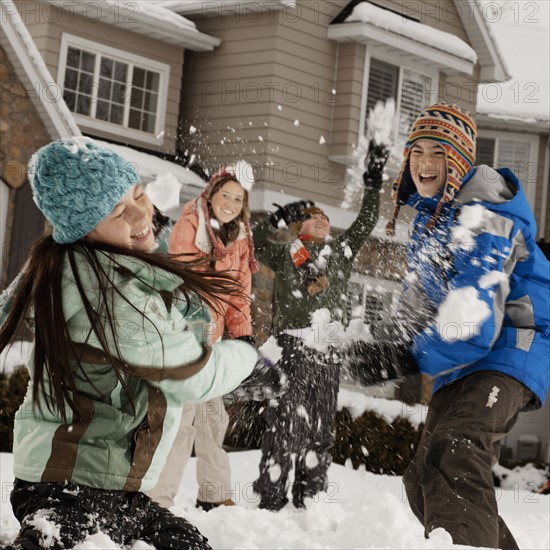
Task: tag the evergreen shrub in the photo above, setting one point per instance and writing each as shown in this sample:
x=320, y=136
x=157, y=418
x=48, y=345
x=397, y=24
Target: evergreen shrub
x=369, y=440
x=12, y=393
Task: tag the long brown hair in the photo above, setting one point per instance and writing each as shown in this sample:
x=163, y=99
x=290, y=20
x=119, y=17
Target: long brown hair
x=228, y=232
x=56, y=362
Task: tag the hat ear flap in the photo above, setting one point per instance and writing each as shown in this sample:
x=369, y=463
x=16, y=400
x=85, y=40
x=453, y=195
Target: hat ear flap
x=407, y=187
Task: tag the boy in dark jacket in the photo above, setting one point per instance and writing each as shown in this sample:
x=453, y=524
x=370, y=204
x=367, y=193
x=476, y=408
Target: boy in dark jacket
x=311, y=273
x=476, y=305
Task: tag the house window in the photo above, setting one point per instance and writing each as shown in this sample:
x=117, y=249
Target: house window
x=411, y=89
x=112, y=88
x=371, y=300
x=505, y=150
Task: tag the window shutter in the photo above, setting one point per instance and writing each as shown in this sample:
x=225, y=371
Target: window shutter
x=485, y=151
x=514, y=155
x=415, y=96
x=383, y=81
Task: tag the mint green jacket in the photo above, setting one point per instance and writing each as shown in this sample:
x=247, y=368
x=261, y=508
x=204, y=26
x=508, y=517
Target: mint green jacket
x=166, y=364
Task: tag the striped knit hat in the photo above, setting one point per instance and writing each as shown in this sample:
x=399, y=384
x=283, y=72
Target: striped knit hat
x=455, y=130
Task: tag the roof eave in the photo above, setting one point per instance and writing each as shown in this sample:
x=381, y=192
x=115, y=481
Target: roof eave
x=365, y=33
x=494, y=69
x=508, y=123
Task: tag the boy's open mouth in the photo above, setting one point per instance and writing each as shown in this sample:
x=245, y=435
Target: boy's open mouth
x=428, y=179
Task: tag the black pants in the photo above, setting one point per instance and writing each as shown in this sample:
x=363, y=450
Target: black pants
x=301, y=423
x=449, y=483
x=79, y=511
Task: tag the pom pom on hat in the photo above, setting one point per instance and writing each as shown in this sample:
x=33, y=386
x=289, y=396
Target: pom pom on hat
x=455, y=130
x=76, y=185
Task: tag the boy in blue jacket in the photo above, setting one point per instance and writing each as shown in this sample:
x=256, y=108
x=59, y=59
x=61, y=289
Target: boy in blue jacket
x=475, y=317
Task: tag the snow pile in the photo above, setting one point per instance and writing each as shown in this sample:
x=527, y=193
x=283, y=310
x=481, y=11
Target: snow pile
x=14, y=356
x=359, y=510
x=528, y=477
x=419, y=32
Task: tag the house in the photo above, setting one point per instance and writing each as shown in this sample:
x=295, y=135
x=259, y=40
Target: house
x=108, y=70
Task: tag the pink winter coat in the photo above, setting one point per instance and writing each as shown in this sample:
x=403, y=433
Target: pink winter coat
x=190, y=236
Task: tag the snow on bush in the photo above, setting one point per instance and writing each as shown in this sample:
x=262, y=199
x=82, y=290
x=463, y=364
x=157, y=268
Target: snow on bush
x=15, y=355
x=528, y=477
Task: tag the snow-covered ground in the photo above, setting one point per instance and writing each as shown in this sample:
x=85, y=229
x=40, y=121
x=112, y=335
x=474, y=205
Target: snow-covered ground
x=360, y=510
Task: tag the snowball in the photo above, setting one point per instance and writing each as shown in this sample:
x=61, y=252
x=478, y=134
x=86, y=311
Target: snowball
x=311, y=460
x=271, y=350
x=243, y=173
x=164, y=192
x=461, y=314
x=493, y=278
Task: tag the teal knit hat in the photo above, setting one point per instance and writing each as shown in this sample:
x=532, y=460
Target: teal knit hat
x=76, y=185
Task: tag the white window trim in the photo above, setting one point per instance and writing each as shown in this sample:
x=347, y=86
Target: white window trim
x=156, y=138
x=4, y=201
x=530, y=187
x=391, y=286
x=373, y=51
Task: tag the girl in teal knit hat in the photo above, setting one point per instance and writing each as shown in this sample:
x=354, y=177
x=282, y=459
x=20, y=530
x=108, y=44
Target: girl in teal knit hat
x=117, y=353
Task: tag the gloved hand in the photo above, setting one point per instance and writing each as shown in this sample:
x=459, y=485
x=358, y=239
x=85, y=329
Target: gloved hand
x=266, y=381
x=371, y=364
x=291, y=212
x=375, y=162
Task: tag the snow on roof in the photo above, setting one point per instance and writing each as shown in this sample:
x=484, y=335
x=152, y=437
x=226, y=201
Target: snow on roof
x=32, y=70
x=150, y=18
x=524, y=39
x=214, y=7
x=419, y=32
x=149, y=166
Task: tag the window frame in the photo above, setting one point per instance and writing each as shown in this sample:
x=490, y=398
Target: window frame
x=97, y=48
x=4, y=204
x=377, y=53
x=395, y=287
x=530, y=186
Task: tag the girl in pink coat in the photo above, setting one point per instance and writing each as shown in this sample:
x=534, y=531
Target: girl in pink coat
x=215, y=225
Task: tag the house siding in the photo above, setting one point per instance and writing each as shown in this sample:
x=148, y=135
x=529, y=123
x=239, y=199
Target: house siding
x=288, y=75
x=47, y=36
x=276, y=67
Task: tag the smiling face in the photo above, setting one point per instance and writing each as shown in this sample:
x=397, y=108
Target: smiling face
x=428, y=166
x=316, y=226
x=130, y=224
x=228, y=201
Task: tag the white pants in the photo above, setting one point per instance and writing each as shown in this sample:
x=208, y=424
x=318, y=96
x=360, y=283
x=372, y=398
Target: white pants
x=204, y=424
